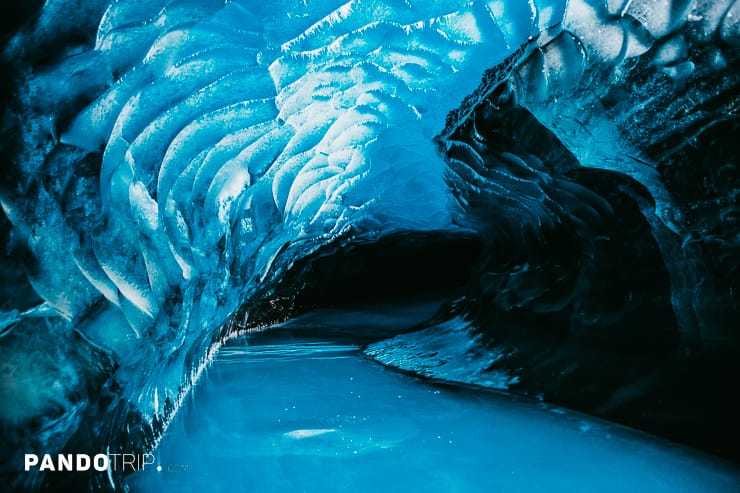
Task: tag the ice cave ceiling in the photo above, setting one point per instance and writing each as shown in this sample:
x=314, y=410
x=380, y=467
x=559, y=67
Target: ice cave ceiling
x=177, y=170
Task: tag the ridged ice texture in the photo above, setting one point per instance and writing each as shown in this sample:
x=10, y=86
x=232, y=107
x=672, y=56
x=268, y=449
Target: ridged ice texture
x=615, y=82
x=227, y=131
x=629, y=85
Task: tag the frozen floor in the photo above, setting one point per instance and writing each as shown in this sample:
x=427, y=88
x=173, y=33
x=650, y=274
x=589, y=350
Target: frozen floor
x=287, y=414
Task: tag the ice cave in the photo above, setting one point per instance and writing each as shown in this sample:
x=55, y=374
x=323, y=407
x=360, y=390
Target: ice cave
x=370, y=245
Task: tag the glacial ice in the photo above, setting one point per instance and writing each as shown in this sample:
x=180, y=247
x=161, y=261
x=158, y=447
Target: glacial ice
x=421, y=435
x=220, y=144
x=171, y=163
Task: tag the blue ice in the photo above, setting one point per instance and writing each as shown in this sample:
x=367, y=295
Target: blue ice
x=288, y=413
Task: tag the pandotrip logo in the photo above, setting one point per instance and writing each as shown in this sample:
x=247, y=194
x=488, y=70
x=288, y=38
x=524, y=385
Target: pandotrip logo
x=83, y=462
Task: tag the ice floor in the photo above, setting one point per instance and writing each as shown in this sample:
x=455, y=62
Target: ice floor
x=291, y=414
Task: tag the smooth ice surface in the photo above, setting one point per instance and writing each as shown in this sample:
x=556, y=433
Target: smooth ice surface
x=289, y=414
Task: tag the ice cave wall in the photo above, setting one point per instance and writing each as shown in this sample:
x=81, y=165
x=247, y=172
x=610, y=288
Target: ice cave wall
x=609, y=275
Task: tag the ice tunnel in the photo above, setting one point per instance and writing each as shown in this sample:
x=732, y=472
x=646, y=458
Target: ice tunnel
x=537, y=198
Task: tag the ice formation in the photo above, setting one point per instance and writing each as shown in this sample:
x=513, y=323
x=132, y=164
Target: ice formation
x=176, y=170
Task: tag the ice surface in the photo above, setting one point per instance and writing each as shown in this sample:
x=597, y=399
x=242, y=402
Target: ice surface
x=315, y=415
